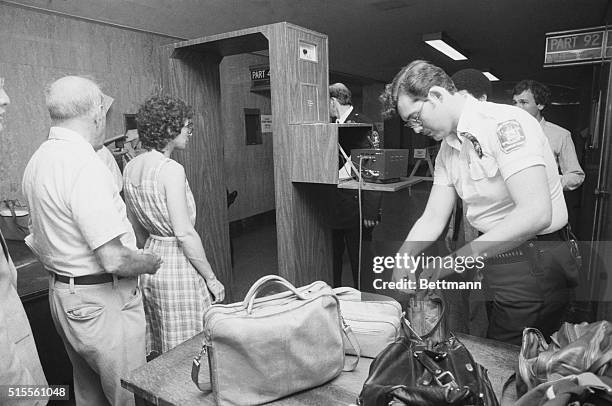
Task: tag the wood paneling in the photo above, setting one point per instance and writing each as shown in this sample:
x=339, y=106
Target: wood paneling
x=249, y=169
x=304, y=244
x=37, y=48
x=314, y=153
x=195, y=79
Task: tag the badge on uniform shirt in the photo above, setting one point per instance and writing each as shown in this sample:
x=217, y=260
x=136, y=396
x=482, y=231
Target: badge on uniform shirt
x=510, y=135
x=475, y=144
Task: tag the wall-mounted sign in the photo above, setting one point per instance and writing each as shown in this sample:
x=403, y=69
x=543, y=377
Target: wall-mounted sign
x=260, y=77
x=266, y=123
x=578, y=47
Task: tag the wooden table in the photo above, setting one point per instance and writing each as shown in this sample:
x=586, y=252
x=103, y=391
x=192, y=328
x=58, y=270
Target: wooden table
x=167, y=379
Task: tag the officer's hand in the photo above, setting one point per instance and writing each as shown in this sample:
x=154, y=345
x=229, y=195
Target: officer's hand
x=430, y=273
x=217, y=289
x=402, y=273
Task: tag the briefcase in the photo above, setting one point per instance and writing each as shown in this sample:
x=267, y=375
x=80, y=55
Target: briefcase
x=266, y=348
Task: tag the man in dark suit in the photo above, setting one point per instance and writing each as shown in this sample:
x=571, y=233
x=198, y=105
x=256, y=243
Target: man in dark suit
x=345, y=202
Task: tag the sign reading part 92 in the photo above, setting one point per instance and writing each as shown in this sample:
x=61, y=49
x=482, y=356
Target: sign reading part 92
x=577, y=47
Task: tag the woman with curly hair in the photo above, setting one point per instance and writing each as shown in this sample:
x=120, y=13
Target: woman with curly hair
x=161, y=208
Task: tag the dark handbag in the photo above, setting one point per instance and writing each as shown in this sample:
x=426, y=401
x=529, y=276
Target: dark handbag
x=406, y=373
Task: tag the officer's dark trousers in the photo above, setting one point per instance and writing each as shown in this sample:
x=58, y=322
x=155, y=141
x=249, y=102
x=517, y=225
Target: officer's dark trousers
x=349, y=237
x=523, y=293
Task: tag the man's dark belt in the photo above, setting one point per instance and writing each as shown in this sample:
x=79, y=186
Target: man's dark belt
x=87, y=279
x=559, y=235
x=520, y=253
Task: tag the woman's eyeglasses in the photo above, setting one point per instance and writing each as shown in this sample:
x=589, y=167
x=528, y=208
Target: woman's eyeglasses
x=189, y=127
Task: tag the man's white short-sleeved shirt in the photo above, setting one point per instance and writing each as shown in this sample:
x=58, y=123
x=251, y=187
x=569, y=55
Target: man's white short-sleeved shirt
x=74, y=205
x=510, y=140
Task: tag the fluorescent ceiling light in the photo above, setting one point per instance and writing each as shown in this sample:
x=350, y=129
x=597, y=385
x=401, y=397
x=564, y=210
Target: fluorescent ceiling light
x=490, y=76
x=446, y=45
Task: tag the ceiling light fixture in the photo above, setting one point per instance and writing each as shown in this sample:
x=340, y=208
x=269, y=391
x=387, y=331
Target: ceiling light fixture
x=443, y=43
x=490, y=75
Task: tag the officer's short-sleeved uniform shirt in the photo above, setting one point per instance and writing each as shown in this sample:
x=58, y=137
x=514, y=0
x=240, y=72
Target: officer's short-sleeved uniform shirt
x=495, y=141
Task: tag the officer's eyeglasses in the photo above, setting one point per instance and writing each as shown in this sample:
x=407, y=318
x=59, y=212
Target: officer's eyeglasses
x=415, y=121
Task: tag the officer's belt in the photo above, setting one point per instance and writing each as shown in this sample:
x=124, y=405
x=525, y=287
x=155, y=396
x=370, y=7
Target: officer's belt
x=520, y=253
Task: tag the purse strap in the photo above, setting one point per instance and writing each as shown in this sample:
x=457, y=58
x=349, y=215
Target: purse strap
x=352, y=339
x=249, y=298
x=441, y=376
x=10, y=204
x=206, y=386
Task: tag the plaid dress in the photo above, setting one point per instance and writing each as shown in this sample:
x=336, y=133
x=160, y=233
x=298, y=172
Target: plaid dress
x=176, y=297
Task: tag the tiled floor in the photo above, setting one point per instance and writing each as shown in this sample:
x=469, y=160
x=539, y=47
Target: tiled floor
x=254, y=256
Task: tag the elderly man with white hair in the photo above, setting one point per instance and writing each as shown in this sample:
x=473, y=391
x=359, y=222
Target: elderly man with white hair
x=80, y=232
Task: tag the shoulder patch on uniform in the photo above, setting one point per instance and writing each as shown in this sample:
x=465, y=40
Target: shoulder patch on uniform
x=510, y=135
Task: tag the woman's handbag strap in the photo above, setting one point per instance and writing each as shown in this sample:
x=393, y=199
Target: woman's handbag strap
x=350, y=336
x=440, y=375
x=205, y=386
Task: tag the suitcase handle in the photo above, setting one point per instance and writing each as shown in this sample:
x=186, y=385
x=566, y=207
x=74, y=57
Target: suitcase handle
x=249, y=298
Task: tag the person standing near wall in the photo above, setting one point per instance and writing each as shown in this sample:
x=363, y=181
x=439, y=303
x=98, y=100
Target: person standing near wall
x=346, y=230
x=81, y=234
x=533, y=97
x=19, y=361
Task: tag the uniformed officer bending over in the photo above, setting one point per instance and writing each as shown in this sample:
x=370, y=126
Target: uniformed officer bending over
x=497, y=159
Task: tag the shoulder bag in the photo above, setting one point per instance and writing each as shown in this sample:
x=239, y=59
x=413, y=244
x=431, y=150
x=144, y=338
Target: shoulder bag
x=265, y=348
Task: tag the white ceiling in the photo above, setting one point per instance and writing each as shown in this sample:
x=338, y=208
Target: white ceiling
x=375, y=38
